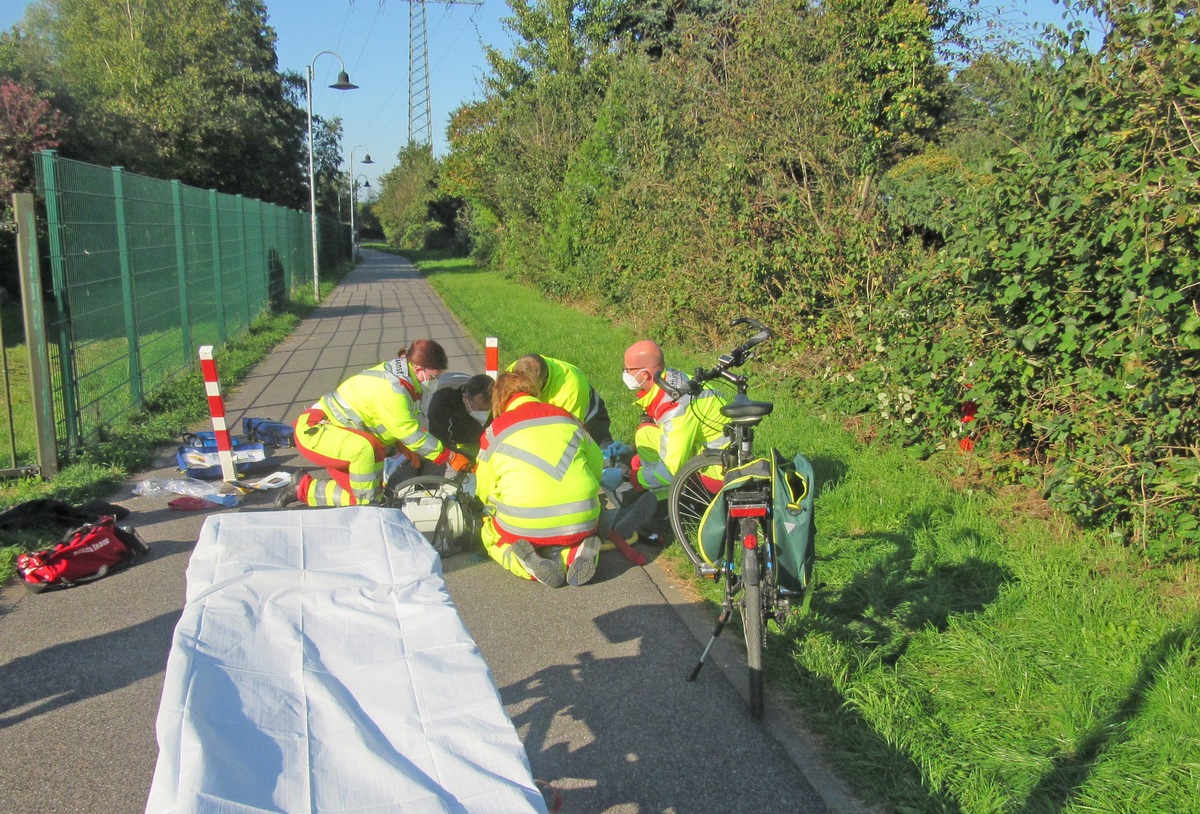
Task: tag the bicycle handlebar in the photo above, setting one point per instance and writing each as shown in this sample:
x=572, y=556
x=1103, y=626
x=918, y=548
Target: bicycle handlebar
x=735, y=358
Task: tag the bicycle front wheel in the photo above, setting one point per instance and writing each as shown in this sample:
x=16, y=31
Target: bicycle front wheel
x=753, y=627
x=696, y=484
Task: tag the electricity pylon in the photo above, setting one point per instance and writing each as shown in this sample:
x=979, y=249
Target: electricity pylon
x=420, y=113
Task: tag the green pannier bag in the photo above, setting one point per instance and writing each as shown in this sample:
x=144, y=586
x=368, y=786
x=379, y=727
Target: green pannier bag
x=792, y=492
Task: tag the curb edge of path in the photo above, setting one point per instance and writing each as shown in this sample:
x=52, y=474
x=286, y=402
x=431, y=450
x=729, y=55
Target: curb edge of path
x=781, y=722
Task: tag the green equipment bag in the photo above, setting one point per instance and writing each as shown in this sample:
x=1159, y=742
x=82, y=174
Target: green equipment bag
x=791, y=513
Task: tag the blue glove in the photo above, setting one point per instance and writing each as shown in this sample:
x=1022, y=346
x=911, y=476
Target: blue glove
x=615, y=451
x=611, y=478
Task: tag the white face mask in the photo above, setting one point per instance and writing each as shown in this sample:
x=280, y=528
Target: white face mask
x=479, y=415
x=630, y=381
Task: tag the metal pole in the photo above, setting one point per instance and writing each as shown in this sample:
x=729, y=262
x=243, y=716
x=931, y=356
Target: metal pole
x=40, y=382
x=312, y=192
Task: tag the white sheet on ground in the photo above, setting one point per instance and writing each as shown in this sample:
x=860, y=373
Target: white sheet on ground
x=320, y=666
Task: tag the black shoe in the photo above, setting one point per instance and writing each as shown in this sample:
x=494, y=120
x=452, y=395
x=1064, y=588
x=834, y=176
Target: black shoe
x=286, y=496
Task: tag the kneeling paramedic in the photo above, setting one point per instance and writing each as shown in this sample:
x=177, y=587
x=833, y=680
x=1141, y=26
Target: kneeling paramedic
x=564, y=385
x=539, y=479
x=674, y=429
x=350, y=430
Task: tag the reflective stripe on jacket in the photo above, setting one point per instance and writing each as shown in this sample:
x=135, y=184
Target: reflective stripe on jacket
x=383, y=401
x=539, y=474
x=688, y=426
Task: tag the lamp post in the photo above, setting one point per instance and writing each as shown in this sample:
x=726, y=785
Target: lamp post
x=343, y=83
x=353, y=187
x=353, y=232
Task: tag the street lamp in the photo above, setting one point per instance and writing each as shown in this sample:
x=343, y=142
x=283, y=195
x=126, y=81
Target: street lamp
x=343, y=83
x=353, y=233
x=366, y=185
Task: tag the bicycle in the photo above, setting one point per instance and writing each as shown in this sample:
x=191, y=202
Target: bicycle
x=746, y=558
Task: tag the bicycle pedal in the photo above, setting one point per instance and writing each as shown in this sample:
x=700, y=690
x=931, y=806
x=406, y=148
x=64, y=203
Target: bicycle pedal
x=708, y=572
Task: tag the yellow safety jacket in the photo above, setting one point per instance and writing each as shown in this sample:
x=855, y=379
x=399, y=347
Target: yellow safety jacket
x=688, y=426
x=383, y=400
x=539, y=474
x=568, y=388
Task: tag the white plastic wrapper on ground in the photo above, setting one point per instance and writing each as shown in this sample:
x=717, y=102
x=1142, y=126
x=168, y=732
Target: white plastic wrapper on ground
x=320, y=666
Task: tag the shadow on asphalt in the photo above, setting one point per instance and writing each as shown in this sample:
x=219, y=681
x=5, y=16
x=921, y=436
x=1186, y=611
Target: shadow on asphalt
x=70, y=672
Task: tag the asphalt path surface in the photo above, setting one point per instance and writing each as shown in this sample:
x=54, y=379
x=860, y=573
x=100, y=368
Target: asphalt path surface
x=593, y=678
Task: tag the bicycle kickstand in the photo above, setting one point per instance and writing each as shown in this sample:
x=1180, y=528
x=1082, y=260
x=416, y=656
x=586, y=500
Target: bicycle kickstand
x=721, y=622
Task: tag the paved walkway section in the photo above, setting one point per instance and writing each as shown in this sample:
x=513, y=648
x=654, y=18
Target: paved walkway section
x=593, y=678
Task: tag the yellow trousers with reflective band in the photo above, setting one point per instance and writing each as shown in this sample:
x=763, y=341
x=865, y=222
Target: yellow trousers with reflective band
x=502, y=552
x=353, y=460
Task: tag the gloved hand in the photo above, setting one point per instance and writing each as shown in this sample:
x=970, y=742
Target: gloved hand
x=459, y=462
x=611, y=478
x=614, y=452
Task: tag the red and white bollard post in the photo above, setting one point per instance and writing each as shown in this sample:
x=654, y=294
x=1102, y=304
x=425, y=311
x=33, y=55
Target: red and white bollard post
x=491, y=357
x=216, y=409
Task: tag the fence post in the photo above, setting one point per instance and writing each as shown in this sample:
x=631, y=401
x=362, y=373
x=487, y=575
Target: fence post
x=58, y=273
x=215, y=221
x=241, y=208
x=40, y=383
x=127, y=290
x=185, y=321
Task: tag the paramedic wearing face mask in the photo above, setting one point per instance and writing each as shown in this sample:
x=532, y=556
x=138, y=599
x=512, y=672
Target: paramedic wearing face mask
x=350, y=430
x=460, y=410
x=673, y=431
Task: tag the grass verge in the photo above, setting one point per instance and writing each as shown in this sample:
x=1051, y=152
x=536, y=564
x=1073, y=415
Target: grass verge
x=961, y=655
x=170, y=411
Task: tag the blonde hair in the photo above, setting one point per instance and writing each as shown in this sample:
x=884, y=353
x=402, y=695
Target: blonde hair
x=508, y=384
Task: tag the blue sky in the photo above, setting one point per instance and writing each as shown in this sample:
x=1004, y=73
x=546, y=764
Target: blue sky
x=372, y=38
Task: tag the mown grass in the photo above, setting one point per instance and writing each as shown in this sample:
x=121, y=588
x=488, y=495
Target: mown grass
x=171, y=410
x=962, y=653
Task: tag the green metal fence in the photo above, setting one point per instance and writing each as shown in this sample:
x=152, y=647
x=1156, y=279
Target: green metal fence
x=144, y=271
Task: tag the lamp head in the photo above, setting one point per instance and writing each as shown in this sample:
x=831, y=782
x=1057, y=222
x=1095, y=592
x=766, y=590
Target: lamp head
x=368, y=160
x=343, y=82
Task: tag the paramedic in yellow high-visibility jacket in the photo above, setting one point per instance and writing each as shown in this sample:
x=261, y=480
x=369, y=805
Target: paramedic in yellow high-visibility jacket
x=538, y=476
x=350, y=430
x=675, y=430
x=564, y=385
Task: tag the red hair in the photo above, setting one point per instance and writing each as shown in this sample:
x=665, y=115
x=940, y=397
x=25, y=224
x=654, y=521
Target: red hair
x=426, y=353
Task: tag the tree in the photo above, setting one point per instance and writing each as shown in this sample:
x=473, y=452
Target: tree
x=28, y=124
x=413, y=212
x=185, y=89
x=327, y=162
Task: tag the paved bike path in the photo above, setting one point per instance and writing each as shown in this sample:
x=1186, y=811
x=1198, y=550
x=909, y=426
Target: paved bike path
x=593, y=678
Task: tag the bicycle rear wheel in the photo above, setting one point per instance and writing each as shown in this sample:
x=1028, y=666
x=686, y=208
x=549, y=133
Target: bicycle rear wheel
x=692, y=492
x=753, y=628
